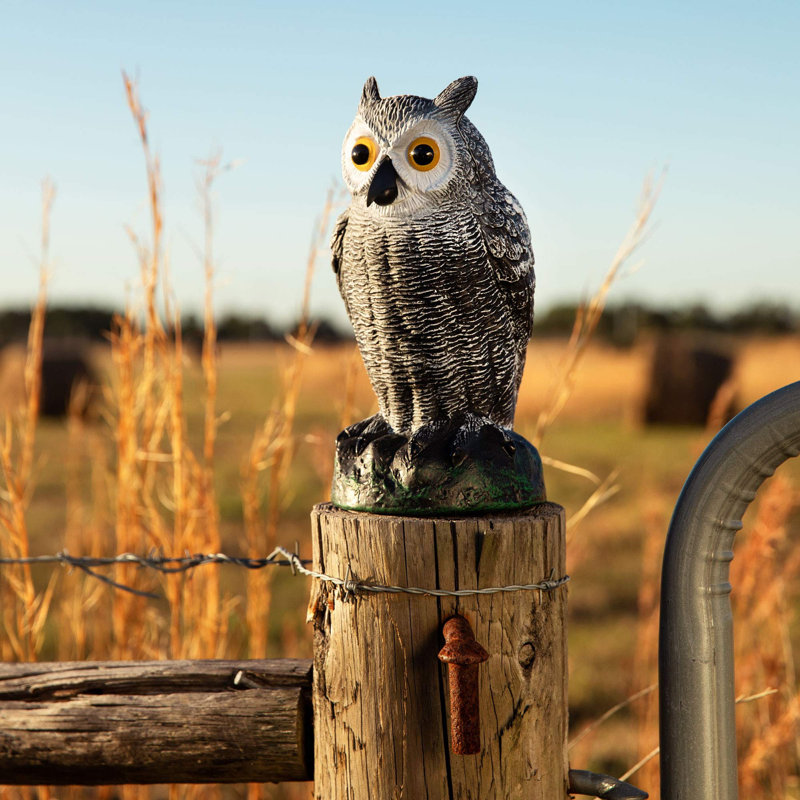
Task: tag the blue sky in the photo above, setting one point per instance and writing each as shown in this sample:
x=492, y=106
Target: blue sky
x=577, y=100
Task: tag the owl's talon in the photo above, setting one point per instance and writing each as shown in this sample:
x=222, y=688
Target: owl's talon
x=384, y=449
x=510, y=448
x=369, y=429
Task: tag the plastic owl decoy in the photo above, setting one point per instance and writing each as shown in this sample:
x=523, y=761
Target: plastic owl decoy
x=434, y=262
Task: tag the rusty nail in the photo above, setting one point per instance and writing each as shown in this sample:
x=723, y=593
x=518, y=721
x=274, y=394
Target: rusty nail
x=462, y=654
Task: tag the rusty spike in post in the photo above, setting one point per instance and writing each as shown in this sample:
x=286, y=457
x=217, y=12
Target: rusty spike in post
x=462, y=654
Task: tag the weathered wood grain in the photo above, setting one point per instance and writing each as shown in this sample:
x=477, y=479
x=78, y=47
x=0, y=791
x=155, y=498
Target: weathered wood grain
x=380, y=693
x=90, y=723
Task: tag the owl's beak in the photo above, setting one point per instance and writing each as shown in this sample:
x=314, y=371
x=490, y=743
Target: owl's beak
x=383, y=189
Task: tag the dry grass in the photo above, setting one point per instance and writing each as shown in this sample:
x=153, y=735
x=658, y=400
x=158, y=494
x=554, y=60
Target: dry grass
x=583, y=330
x=589, y=314
x=266, y=472
x=765, y=576
x=24, y=610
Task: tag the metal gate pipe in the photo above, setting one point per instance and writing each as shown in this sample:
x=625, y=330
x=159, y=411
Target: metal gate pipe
x=695, y=659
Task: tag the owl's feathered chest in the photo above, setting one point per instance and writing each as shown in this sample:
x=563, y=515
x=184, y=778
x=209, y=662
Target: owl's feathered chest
x=429, y=315
x=400, y=265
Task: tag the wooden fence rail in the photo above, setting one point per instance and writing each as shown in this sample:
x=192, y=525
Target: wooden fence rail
x=116, y=722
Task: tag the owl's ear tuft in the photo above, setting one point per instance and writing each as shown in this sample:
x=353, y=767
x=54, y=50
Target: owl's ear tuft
x=458, y=96
x=370, y=93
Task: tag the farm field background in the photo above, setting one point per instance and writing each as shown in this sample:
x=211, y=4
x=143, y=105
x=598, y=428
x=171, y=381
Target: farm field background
x=613, y=553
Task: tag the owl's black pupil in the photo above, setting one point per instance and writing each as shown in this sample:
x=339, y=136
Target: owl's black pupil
x=360, y=154
x=422, y=154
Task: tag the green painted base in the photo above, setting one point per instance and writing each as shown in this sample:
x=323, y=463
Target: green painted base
x=464, y=465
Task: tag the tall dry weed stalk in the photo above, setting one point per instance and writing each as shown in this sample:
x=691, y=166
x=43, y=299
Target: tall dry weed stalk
x=646, y=656
x=24, y=610
x=82, y=611
x=165, y=497
x=584, y=328
x=764, y=576
x=265, y=472
x=589, y=314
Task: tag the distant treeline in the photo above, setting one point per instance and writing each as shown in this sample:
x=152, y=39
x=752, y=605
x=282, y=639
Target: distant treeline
x=93, y=323
x=621, y=324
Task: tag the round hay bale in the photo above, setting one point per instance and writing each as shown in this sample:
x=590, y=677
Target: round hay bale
x=686, y=376
x=66, y=369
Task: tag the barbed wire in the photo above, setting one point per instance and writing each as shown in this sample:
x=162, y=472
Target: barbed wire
x=348, y=587
x=159, y=563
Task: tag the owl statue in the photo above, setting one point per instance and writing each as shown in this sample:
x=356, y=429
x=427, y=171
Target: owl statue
x=433, y=260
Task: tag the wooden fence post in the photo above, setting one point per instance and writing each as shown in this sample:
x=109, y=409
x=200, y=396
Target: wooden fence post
x=381, y=723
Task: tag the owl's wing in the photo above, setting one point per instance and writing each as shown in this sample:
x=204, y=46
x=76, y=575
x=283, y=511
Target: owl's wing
x=508, y=243
x=337, y=250
x=337, y=240
x=505, y=233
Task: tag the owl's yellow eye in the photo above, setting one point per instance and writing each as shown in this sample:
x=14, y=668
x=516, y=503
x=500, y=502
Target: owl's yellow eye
x=423, y=153
x=364, y=153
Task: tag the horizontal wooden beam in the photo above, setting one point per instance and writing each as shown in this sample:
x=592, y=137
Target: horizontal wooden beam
x=116, y=722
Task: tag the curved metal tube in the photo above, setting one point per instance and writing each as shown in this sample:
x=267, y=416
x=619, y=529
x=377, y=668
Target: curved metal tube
x=695, y=660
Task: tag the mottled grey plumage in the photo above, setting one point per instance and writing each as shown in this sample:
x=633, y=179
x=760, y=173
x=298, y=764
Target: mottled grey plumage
x=437, y=281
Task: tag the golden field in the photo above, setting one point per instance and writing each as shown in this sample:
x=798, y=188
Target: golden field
x=614, y=553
